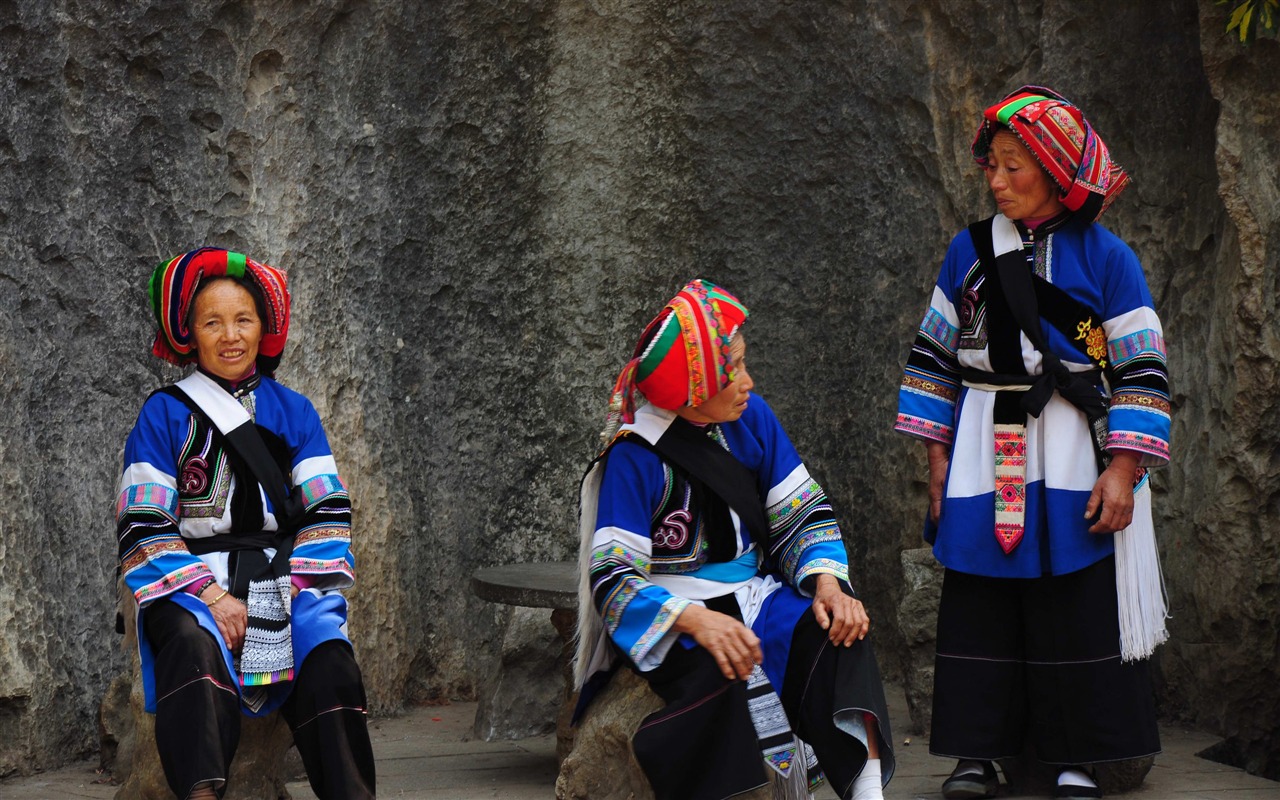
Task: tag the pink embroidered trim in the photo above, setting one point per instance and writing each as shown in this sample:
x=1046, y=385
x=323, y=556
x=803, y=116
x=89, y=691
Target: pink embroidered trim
x=1011, y=485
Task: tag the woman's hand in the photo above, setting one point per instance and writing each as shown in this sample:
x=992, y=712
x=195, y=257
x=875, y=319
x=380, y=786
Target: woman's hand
x=939, y=461
x=1113, y=493
x=733, y=645
x=229, y=613
x=841, y=616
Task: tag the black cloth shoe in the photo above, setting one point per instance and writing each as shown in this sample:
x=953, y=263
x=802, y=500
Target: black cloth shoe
x=971, y=779
x=1074, y=791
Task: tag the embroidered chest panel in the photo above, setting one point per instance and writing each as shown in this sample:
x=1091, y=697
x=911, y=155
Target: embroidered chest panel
x=204, y=474
x=972, y=309
x=972, y=306
x=1080, y=325
x=690, y=527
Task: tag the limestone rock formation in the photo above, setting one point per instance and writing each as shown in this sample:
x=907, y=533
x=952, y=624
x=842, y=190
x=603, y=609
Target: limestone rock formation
x=524, y=690
x=1220, y=535
x=480, y=202
x=917, y=621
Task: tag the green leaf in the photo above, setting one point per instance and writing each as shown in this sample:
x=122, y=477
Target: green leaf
x=1239, y=12
x=1252, y=17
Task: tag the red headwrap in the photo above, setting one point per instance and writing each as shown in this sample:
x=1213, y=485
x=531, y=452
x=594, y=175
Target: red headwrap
x=683, y=355
x=1061, y=139
x=174, y=283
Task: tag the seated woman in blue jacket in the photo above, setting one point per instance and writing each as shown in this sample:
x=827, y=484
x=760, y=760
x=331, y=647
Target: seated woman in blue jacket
x=712, y=564
x=238, y=563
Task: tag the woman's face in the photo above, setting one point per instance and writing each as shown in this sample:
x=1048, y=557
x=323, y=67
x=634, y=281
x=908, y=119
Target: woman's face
x=227, y=329
x=729, y=403
x=1021, y=188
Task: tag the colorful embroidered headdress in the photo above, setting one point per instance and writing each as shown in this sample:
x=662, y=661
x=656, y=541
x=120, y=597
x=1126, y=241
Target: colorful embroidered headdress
x=682, y=358
x=174, y=282
x=1063, y=141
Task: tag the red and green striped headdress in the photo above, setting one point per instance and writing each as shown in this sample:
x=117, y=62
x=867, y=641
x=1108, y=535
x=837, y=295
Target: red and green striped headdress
x=174, y=283
x=682, y=358
x=1063, y=141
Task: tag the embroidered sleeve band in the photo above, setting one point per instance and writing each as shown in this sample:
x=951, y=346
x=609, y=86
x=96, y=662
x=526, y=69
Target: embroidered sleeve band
x=931, y=383
x=1139, y=416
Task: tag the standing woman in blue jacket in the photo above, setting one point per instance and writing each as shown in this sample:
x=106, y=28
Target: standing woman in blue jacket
x=1037, y=384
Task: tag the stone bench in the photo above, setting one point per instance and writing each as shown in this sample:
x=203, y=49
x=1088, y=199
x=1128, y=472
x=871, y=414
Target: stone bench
x=510, y=704
x=265, y=759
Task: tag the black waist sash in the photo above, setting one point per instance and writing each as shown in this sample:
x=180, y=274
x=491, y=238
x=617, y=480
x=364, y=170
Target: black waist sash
x=1016, y=284
x=247, y=561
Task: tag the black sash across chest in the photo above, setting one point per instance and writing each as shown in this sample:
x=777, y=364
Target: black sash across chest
x=691, y=450
x=254, y=464
x=1016, y=301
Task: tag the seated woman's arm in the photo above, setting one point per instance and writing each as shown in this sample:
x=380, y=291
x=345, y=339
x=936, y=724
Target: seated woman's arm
x=734, y=646
x=322, y=548
x=644, y=619
x=806, y=543
x=639, y=615
x=804, y=538
x=154, y=559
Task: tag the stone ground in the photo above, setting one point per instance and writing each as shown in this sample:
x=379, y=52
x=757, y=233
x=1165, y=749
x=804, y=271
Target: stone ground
x=429, y=754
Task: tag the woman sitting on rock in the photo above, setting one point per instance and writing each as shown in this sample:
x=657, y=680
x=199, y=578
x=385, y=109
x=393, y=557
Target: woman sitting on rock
x=234, y=532
x=713, y=565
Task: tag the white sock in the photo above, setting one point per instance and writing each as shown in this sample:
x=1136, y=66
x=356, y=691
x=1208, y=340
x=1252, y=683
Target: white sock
x=867, y=785
x=1074, y=777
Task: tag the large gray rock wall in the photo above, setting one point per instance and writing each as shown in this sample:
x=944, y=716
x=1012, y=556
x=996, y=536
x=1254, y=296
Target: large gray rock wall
x=480, y=203
x=1222, y=524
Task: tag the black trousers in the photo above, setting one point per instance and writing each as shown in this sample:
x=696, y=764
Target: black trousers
x=1038, y=660
x=702, y=745
x=198, y=710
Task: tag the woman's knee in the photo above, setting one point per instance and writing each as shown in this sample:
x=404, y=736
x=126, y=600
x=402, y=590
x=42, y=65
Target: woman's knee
x=333, y=664
x=171, y=628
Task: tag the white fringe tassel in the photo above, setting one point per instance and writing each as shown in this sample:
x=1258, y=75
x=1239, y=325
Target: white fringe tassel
x=1140, y=587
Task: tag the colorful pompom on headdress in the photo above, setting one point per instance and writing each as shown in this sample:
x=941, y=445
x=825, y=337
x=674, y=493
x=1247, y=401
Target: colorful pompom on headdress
x=1063, y=142
x=173, y=286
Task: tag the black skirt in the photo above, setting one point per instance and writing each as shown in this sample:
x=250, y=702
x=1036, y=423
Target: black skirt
x=1038, y=661
x=702, y=745
x=198, y=711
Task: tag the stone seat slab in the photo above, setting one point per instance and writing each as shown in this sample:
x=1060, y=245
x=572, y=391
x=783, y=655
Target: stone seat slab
x=547, y=584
